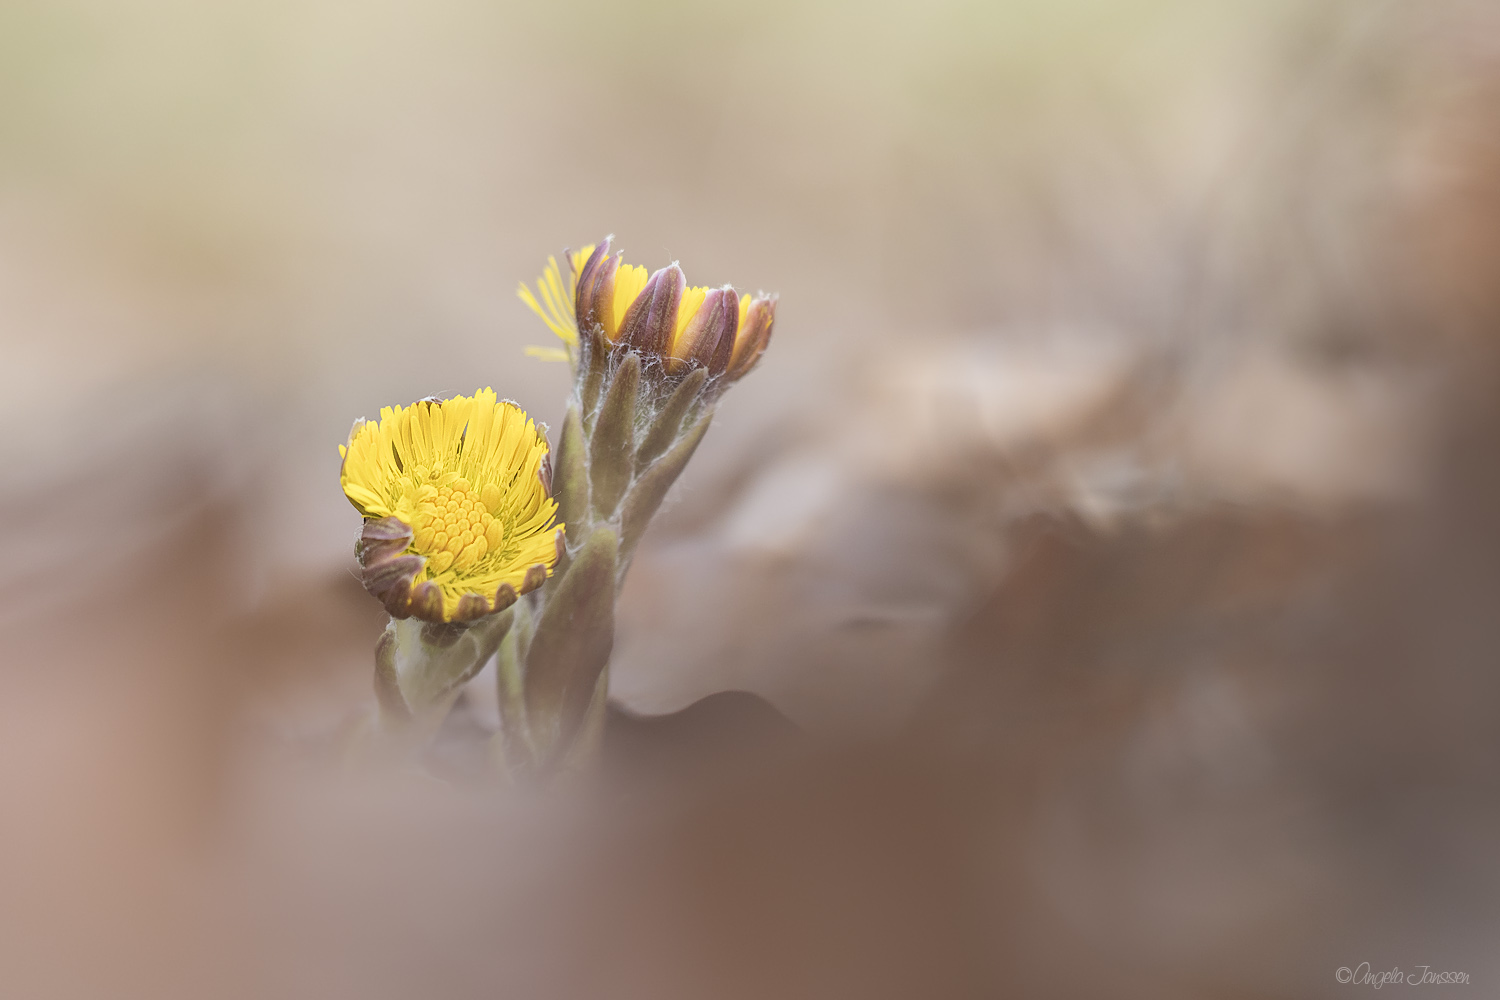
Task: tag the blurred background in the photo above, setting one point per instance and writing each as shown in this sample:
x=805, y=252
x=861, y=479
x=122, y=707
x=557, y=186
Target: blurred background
x=1114, y=523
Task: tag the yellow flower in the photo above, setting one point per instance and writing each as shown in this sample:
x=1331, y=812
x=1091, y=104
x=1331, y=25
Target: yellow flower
x=455, y=493
x=660, y=315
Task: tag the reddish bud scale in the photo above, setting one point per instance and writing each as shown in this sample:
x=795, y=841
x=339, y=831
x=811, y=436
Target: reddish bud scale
x=390, y=575
x=651, y=319
x=753, y=337
x=588, y=305
x=708, y=338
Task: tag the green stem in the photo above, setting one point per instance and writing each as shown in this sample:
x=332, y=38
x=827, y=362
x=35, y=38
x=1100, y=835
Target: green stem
x=420, y=669
x=614, y=466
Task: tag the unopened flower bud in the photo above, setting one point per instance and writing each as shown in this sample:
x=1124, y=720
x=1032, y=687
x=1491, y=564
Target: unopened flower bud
x=674, y=327
x=595, y=292
x=757, y=316
x=707, y=339
x=651, y=319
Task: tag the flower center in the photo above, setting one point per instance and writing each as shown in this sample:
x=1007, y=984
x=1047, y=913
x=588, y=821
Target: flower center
x=453, y=526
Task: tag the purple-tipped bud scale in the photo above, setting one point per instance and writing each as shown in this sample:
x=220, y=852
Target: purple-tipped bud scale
x=712, y=327
x=754, y=335
x=652, y=318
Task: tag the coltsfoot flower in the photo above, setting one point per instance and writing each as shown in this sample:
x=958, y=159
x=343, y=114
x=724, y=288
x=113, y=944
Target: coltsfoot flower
x=651, y=358
x=456, y=495
x=661, y=316
x=461, y=517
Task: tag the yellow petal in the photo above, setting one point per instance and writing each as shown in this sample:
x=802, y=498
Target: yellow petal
x=692, y=300
x=546, y=353
x=630, y=279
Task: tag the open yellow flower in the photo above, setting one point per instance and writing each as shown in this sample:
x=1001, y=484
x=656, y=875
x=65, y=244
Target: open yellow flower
x=456, y=496
x=660, y=315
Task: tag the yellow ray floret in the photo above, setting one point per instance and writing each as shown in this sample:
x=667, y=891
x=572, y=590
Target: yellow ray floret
x=465, y=474
x=553, y=302
x=554, y=297
x=630, y=281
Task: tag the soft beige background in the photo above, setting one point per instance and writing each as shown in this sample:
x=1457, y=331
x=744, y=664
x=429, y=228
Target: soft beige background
x=236, y=227
x=1212, y=282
